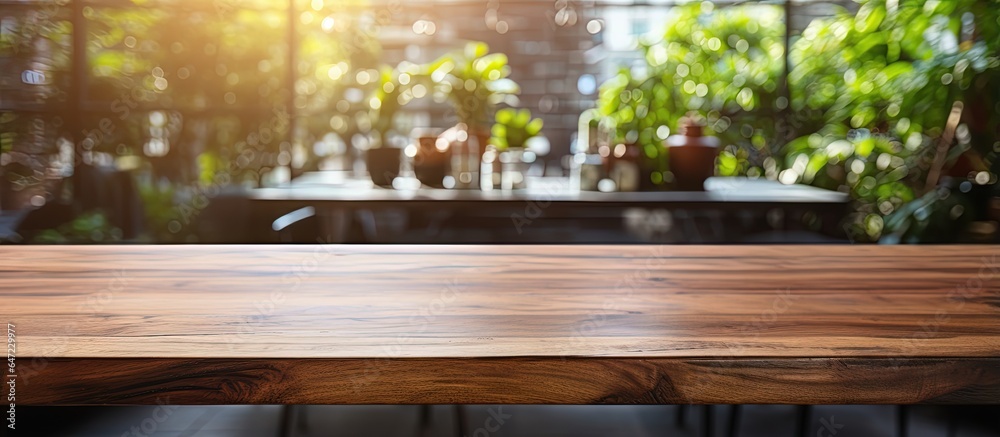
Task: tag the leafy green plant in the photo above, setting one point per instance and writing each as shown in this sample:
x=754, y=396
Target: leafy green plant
x=475, y=81
x=722, y=64
x=514, y=127
x=896, y=69
x=386, y=102
x=160, y=206
x=869, y=95
x=937, y=217
x=876, y=169
x=91, y=227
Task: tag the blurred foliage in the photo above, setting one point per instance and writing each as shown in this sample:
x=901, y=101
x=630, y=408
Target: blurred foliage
x=514, y=127
x=393, y=91
x=338, y=69
x=338, y=50
x=185, y=92
x=25, y=29
x=866, y=102
x=91, y=227
x=874, y=168
x=227, y=75
x=869, y=95
x=895, y=69
x=32, y=41
x=218, y=61
x=475, y=81
x=937, y=217
x=172, y=95
x=160, y=203
x=720, y=63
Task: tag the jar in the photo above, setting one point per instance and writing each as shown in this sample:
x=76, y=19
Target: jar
x=692, y=156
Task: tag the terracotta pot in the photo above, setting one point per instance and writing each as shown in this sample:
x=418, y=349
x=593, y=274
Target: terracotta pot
x=692, y=157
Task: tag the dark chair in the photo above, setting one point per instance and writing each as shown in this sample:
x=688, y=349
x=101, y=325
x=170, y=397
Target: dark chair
x=229, y=217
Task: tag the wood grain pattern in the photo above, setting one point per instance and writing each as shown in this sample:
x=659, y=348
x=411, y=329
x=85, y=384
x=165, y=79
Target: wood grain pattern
x=522, y=380
x=504, y=324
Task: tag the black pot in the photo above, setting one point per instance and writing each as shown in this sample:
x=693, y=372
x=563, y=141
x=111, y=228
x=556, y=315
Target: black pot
x=431, y=174
x=383, y=165
x=431, y=164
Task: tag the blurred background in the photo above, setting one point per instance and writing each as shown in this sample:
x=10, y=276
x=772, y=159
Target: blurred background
x=499, y=121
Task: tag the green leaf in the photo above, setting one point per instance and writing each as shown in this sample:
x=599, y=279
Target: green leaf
x=489, y=63
x=535, y=127
x=869, y=17
x=505, y=116
x=523, y=117
x=476, y=49
x=868, y=43
x=864, y=147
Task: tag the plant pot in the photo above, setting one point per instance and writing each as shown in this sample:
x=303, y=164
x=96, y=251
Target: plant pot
x=430, y=163
x=383, y=165
x=431, y=174
x=692, y=157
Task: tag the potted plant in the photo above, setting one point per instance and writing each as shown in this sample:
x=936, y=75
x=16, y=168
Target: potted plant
x=89, y=228
x=513, y=128
x=639, y=132
x=718, y=62
x=474, y=81
x=510, y=133
x=692, y=154
x=382, y=158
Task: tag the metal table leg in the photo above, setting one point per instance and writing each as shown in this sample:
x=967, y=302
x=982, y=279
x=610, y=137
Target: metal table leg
x=803, y=418
x=734, y=421
x=424, y=421
x=459, y=420
x=952, y=422
x=708, y=422
x=902, y=421
x=286, y=421
x=301, y=419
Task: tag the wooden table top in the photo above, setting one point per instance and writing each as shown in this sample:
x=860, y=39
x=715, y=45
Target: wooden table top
x=330, y=324
x=319, y=187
